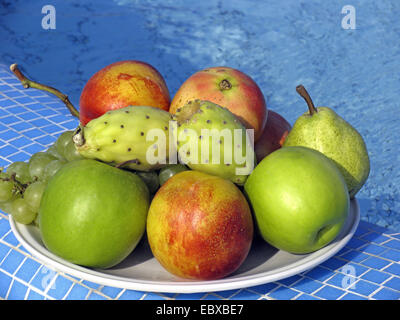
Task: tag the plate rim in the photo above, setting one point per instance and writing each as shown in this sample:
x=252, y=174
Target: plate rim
x=97, y=276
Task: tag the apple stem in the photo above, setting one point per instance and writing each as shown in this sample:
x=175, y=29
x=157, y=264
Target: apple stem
x=303, y=92
x=27, y=83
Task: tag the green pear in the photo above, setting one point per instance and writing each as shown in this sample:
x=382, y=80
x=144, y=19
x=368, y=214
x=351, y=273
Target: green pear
x=324, y=130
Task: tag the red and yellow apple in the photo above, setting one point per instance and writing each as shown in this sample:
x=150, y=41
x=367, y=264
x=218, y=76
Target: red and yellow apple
x=199, y=226
x=122, y=84
x=229, y=88
x=273, y=136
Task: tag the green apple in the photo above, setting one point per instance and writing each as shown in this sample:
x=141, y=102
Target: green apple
x=93, y=214
x=299, y=198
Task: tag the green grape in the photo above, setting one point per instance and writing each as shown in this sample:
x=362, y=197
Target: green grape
x=21, y=211
x=62, y=141
x=6, y=206
x=6, y=190
x=51, y=168
x=52, y=150
x=21, y=170
x=168, y=172
x=37, y=164
x=33, y=194
x=70, y=152
x=150, y=179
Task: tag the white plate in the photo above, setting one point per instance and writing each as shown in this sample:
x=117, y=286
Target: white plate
x=141, y=271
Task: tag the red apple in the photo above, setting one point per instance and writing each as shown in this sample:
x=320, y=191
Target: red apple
x=122, y=84
x=273, y=136
x=199, y=226
x=229, y=88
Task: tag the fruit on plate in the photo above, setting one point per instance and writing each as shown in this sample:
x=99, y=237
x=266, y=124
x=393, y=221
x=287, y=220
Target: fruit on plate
x=324, y=130
x=299, y=199
x=229, y=88
x=273, y=136
x=211, y=139
x=134, y=137
x=199, y=226
x=122, y=84
x=93, y=214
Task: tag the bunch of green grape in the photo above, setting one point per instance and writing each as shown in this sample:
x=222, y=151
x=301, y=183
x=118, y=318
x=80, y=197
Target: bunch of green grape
x=23, y=183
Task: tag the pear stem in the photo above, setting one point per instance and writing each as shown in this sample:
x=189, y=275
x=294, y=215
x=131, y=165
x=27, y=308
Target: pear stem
x=303, y=92
x=27, y=83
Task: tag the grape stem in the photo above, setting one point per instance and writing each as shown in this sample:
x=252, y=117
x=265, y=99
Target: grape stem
x=27, y=83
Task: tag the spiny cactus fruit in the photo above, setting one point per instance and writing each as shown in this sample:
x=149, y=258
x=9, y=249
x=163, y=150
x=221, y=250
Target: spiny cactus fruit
x=134, y=137
x=211, y=139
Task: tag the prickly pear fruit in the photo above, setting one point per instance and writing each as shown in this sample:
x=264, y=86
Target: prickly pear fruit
x=211, y=139
x=134, y=137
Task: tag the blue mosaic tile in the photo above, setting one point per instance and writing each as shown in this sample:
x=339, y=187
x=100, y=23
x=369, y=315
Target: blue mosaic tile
x=375, y=237
x=28, y=116
x=131, y=295
x=305, y=296
x=10, y=239
x=6, y=103
x=77, y=292
x=373, y=249
x=393, y=283
x=34, y=106
x=16, y=110
x=8, y=120
x=96, y=296
x=289, y=281
x=27, y=270
x=46, y=112
x=363, y=287
x=190, y=296
x=390, y=254
x=319, y=273
x=264, y=288
x=375, y=276
x=46, y=99
x=225, y=293
x=24, y=100
x=13, y=94
x=8, y=135
x=17, y=291
x=52, y=129
x=21, y=126
x=33, y=295
x=20, y=142
x=342, y=281
x=34, y=93
x=153, y=296
x=329, y=293
x=334, y=263
x=283, y=293
x=3, y=128
x=111, y=292
x=91, y=284
x=245, y=295
x=43, y=278
x=386, y=294
x=354, y=256
x=34, y=133
x=307, y=285
x=5, y=282
x=355, y=243
x=375, y=263
x=12, y=261
x=352, y=296
x=70, y=125
x=45, y=140
x=3, y=251
x=33, y=148
x=212, y=297
x=394, y=244
x=19, y=156
x=60, y=287
x=4, y=226
x=4, y=88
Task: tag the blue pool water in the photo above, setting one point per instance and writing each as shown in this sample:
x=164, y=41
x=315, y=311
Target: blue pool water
x=279, y=43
